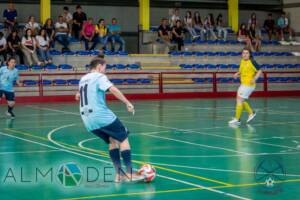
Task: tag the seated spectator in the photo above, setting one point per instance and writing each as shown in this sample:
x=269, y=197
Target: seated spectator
x=188, y=21
x=199, y=25
x=255, y=37
x=32, y=25
x=68, y=18
x=252, y=20
x=43, y=45
x=10, y=17
x=14, y=45
x=50, y=29
x=115, y=31
x=284, y=27
x=269, y=26
x=164, y=34
x=102, y=33
x=61, y=33
x=29, y=48
x=78, y=18
x=221, y=28
x=88, y=34
x=178, y=34
x=3, y=47
x=243, y=36
x=209, y=25
x=175, y=17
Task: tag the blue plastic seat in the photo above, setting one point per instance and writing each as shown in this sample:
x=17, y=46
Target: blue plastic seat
x=133, y=66
x=260, y=80
x=122, y=53
x=120, y=66
x=117, y=81
x=29, y=83
x=198, y=66
x=144, y=81
x=69, y=53
x=200, y=54
x=208, y=80
x=233, y=66
x=198, y=80
x=175, y=53
x=83, y=53
x=65, y=67
x=212, y=53
x=131, y=81
x=223, y=66
x=22, y=67
x=73, y=81
x=60, y=82
x=51, y=67
x=187, y=53
x=273, y=79
x=46, y=82
x=37, y=67
x=110, y=66
x=210, y=66
x=279, y=66
x=55, y=52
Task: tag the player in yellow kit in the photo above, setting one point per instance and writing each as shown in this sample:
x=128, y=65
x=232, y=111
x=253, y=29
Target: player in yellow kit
x=249, y=72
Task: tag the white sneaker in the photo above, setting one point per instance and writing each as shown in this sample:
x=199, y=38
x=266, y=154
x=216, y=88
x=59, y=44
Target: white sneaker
x=234, y=121
x=251, y=117
x=11, y=115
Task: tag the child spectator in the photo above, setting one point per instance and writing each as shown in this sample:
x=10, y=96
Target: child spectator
x=255, y=36
x=243, y=36
x=284, y=27
x=29, y=48
x=269, y=26
x=178, y=34
x=43, y=45
x=14, y=46
x=102, y=33
x=115, y=31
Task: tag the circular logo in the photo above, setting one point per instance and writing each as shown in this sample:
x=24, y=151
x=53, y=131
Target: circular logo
x=69, y=175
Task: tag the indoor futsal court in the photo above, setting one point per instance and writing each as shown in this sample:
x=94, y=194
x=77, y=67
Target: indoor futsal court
x=150, y=100
x=195, y=153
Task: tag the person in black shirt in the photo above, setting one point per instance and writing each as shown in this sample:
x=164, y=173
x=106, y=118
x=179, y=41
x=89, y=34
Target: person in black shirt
x=50, y=29
x=178, y=34
x=14, y=46
x=269, y=26
x=164, y=33
x=78, y=18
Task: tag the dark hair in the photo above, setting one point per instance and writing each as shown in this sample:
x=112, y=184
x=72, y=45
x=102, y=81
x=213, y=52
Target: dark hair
x=249, y=50
x=100, y=20
x=242, y=25
x=188, y=13
x=95, y=62
x=10, y=58
x=197, y=19
x=26, y=34
x=219, y=18
x=270, y=14
x=66, y=8
x=114, y=19
x=46, y=23
x=212, y=20
x=1, y=34
x=45, y=36
x=78, y=6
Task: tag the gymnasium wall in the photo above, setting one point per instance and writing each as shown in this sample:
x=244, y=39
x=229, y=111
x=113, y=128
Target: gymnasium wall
x=292, y=7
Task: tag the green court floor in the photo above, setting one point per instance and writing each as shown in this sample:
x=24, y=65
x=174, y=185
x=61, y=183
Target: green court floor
x=46, y=153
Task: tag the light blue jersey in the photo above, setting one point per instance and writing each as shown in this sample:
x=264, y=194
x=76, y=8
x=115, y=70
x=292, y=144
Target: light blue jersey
x=93, y=109
x=7, y=78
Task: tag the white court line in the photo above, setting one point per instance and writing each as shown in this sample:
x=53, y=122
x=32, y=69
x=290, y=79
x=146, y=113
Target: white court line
x=222, y=170
x=188, y=131
x=166, y=177
x=28, y=152
x=80, y=144
x=276, y=137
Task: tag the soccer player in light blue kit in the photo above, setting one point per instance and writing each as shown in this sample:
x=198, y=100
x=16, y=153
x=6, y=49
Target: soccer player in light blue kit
x=8, y=75
x=101, y=121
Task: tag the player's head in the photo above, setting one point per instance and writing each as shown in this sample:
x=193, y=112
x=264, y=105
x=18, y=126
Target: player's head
x=98, y=64
x=11, y=62
x=246, y=54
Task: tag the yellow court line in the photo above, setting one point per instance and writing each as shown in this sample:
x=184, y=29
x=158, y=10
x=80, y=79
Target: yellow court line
x=176, y=190
x=134, y=161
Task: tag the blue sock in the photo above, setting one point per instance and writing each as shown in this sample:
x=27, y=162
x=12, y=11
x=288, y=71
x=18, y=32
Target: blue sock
x=126, y=155
x=115, y=157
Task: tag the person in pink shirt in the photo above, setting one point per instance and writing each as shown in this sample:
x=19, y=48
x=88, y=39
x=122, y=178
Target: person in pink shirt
x=88, y=34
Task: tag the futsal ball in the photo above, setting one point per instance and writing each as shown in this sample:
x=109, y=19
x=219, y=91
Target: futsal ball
x=148, y=171
x=269, y=182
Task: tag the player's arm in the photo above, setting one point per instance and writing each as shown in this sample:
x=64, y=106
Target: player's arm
x=118, y=94
x=77, y=96
x=258, y=73
x=236, y=75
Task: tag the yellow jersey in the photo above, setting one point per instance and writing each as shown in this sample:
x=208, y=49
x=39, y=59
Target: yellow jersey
x=248, y=70
x=101, y=30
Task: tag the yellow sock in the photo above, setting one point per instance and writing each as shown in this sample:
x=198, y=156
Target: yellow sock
x=238, y=111
x=248, y=108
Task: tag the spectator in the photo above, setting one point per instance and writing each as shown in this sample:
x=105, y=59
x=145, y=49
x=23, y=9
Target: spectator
x=269, y=26
x=50, y=29
x=14, y=45
x=252, y=20
x=209, y=25
x=88, y=34
x=10, y=17
x=78, y=18
x=29, y=48
x=102, y=33
x=198, y=24
x=178, y=34
x=43, y=45
x=255, y=36
x=164, y=34
x=61, y=33
x=243, y=36
x=175, y=17
x=188, y=21
x=115, y=31
x=32, y=25
x=3, y=47
x=284, y=27
x=221, y=28
x=68, y=18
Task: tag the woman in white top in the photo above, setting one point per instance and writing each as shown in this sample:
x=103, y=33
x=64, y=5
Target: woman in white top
x=31, y=24
x=43, y=44
x=29, y=48
x=189, y=25
x=175, y=17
